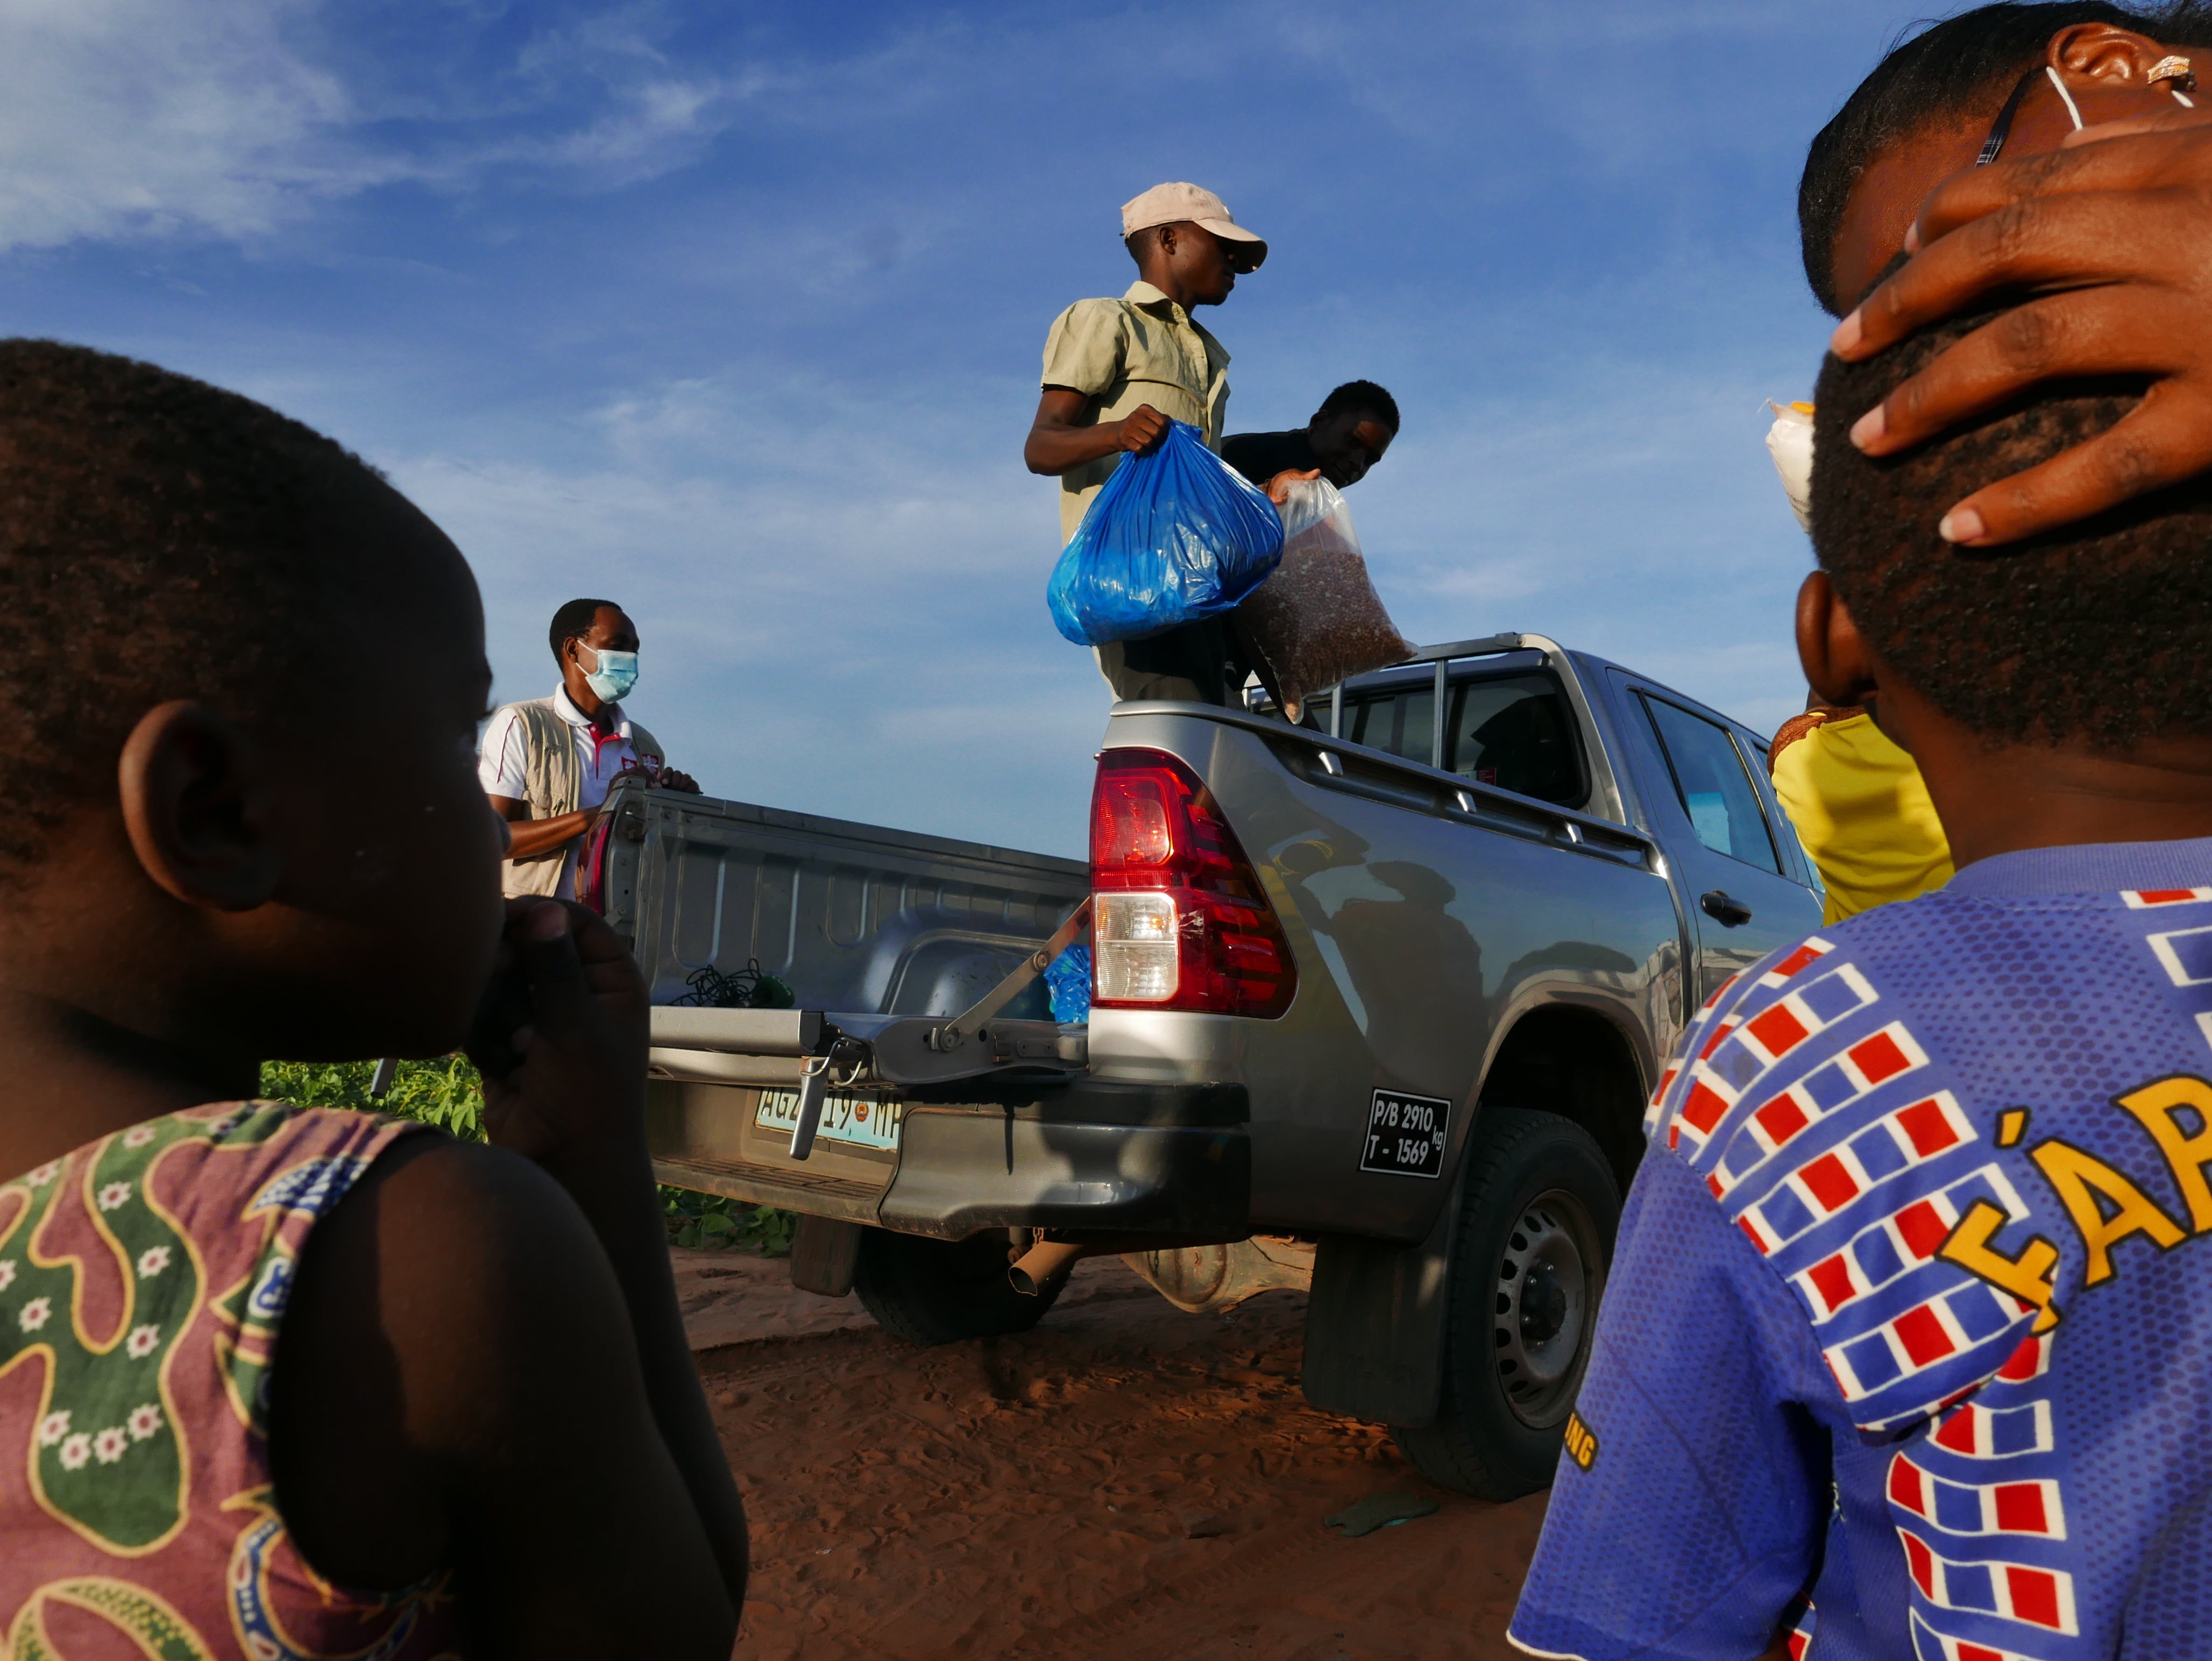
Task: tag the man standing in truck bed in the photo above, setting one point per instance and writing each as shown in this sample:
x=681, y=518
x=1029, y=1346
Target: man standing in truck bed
x=1116, y=372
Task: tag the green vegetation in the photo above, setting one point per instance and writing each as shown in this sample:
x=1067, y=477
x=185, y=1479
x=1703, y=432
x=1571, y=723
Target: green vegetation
x=448, y=1093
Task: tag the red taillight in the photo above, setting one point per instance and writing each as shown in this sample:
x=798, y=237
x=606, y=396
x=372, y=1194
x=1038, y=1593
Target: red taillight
x=1179, y=920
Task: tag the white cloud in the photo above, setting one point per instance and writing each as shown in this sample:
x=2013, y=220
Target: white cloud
x=131, y=116
x=842, y=604
x=136, y=119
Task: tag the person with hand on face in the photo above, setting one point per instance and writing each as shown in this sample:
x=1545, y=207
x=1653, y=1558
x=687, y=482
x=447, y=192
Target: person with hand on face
x=2060, y=149
x=1116, y=372
x=548, y=764
x=1903, y=1349
x=278, y=1381
x=1346, y=436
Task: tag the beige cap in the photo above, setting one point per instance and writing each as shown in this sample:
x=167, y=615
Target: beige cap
x=1171, y=205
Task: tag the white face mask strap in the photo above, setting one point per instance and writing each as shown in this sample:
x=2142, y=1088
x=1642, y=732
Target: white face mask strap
x=2059, y=81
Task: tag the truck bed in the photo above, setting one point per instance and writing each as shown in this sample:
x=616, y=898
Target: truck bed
x=853, y=916
x=856, y=918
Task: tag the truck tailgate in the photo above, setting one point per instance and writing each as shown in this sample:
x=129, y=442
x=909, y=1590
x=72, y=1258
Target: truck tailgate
x=858, y=920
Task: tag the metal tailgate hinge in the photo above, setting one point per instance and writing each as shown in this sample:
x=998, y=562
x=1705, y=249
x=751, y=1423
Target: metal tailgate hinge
x=961, y=1028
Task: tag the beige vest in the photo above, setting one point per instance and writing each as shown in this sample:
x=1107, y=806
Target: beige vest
x=553, y=782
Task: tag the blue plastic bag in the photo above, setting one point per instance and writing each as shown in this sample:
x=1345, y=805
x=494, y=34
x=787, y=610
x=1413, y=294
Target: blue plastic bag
x=1173, y=536
x=1067, y=976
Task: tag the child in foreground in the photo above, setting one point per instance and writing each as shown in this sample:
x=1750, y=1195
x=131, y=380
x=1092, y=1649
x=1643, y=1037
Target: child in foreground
x=1904, y=1350
x=278, y=1382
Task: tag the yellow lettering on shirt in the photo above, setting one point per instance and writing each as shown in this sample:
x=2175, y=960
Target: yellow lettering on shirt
x=2085, y=1185
x=2159, y=1106
x=2030, y=1276
x=1582, y=1442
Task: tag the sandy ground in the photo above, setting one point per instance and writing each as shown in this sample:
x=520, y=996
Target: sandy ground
x=1127, y=1481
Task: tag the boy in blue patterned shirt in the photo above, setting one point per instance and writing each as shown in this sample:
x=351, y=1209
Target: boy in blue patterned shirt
x=1906, y=1349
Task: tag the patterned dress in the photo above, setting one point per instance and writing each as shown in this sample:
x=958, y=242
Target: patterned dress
x=142, y=1278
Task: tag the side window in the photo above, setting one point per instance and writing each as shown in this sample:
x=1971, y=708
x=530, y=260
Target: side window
x=1400, y=723
x=1717, y=793
x=1516, y=732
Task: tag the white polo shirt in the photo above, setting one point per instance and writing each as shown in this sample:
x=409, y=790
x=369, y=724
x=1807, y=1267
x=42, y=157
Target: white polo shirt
x=503, y=764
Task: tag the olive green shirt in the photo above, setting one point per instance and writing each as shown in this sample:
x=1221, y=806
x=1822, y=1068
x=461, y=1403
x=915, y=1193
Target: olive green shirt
x=1140, y=349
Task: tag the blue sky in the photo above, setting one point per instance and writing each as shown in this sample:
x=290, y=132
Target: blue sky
x=734, y=312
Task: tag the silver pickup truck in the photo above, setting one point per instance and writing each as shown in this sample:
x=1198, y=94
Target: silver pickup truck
x=1377, y=1004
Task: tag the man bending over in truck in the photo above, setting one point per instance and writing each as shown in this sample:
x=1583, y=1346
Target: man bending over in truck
x=548, y=764
x=287, y=1381
x=1116, y=372
x=1911, y=1310
x=1346, y=436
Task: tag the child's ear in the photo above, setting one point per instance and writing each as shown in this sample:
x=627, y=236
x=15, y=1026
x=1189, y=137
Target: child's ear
x=2104, y=53
x=196, y=804
x=1834, y=656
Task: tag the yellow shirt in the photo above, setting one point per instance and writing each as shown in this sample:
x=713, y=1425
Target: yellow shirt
x=1863, y=812
x=1140, y=349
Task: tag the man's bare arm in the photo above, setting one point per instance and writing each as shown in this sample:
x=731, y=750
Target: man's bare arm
x=1056, y=443
x=527, y=837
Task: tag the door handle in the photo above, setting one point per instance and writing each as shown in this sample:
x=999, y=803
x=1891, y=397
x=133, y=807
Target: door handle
x=1728, y=912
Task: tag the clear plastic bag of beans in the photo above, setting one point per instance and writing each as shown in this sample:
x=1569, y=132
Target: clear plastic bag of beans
x=1317, y=620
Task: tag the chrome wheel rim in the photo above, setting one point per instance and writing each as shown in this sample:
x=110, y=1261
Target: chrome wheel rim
x=1548, y=1277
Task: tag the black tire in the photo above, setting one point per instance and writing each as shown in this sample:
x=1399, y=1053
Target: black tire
x=1537, y=1219
x=934, y=1292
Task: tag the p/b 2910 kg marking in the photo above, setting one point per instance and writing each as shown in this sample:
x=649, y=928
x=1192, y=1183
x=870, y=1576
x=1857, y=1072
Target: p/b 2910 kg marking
x=1406, y=1135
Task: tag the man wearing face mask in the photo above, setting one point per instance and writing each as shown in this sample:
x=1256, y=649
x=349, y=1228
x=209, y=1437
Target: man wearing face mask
x=548, y=764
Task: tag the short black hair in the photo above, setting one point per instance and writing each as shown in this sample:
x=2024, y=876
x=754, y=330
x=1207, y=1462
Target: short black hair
x=574, y=619
x=1366, y=396
x=1961, y=69
x=2100, y=633
x=1140, y=244
x=162, y=538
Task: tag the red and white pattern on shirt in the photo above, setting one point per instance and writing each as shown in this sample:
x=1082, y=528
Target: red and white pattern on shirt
x=2031, y=1360
x=1801, y=1631
x=1788, y=1022
x=2012, y=1591
x=2004, y=1424
x=1658, y=1102
x=1811, y=951
x=1955, y=1649
x=1901, y=1241
x=1930, y=1331
x=1705, y=1035
x=1974, y=1430
x=1867, y=1065
x=2030, y=1505
x=2143, y=900
x=1771, y=1127
x=1829, y=1182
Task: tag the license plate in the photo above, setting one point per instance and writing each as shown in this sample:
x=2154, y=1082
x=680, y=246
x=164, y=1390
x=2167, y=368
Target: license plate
x=1406, y=1135
x=844, y=1119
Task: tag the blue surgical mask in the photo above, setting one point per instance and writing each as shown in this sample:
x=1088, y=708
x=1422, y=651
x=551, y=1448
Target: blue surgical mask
x=615, y=674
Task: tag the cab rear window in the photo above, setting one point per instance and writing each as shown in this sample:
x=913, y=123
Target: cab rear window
x=1516, y=732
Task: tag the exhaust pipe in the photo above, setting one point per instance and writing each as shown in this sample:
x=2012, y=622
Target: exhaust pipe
x=1044, y=1264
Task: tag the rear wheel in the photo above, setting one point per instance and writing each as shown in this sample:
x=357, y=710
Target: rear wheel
x=934, y=1292
x=1537, y=1218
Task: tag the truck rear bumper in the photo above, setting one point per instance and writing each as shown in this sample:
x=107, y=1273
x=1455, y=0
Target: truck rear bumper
x=960, y=1171
x=1169, y=1160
